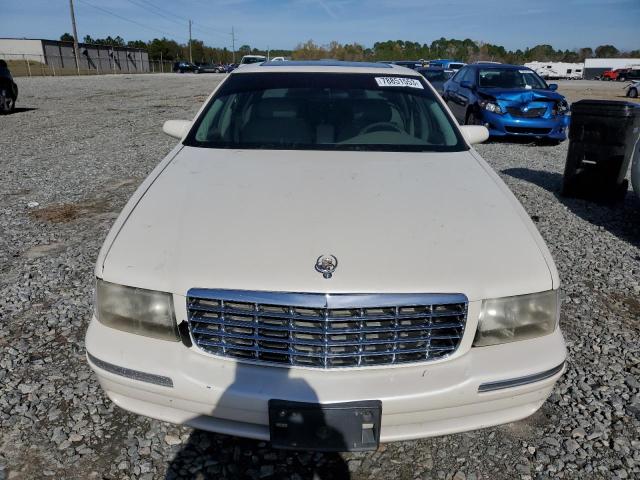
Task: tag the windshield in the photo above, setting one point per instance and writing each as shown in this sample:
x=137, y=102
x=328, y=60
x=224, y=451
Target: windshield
x=246, y=60
x=324, y=111
x=510, y=78
x=435, y=75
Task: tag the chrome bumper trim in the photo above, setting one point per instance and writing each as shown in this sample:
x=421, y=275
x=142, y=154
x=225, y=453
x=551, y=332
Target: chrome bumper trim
x=132, y=374
x=517, y=382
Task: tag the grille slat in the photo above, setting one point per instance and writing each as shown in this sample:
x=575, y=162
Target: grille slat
x=530, y=113
x=320, y=343
x=326, y=330
x=423, y=326
x=240, y=312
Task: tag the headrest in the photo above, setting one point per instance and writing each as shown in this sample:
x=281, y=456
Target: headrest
x=276, y=108
x=372, y=111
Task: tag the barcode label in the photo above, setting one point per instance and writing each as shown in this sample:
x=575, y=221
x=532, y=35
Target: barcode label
x=398, y=82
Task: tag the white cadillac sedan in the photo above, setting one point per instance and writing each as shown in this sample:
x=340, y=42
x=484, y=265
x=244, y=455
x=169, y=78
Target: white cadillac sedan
x=325, y=262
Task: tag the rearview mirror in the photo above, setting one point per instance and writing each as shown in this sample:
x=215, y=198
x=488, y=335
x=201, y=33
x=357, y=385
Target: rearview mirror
x=475, y=133
x=176, y=128
x=466, y=84
x=553, y=87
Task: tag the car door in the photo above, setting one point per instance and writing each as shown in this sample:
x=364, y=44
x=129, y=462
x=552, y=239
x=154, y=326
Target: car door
x=451, y=90
x=459, y=99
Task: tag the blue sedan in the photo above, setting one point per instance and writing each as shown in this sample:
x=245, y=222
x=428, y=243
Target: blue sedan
x=508, y=100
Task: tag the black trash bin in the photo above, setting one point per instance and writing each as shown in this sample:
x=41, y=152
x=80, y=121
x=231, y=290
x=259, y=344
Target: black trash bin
x=602, y=135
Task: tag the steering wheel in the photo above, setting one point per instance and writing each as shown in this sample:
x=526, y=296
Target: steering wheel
x=380, y=126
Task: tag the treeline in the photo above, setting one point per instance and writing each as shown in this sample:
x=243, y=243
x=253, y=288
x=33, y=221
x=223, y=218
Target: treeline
x=466, y=50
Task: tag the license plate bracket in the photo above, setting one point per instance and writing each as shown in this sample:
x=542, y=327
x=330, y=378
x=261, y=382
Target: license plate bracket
x=330, y=427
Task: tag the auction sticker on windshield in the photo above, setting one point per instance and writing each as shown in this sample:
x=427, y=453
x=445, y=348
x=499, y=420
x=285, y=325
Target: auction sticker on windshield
x=398, y=82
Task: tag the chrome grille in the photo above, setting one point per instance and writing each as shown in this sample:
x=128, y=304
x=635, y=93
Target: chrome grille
x=530, y=113
x=326, y=331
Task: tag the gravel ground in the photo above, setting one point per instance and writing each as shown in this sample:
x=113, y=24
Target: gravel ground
x=80, y=146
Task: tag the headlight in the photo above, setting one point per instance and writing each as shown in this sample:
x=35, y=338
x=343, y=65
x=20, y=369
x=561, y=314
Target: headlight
x=561, y=108
x=491, y=107
x=135, y=310
x=510, y=319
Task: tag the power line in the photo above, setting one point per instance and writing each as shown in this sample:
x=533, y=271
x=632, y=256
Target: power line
x=163, y=12
x=104, y=10
x=168, y=16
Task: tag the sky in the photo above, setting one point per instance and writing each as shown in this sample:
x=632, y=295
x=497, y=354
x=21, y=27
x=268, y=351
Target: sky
x=565, y=24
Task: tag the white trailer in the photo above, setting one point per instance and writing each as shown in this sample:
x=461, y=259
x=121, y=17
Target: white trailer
x=557, y=70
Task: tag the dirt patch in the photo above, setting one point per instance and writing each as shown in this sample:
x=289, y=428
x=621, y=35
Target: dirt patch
x=123, y=183
x=23, y=191
x=67, y=212
x=44, y=250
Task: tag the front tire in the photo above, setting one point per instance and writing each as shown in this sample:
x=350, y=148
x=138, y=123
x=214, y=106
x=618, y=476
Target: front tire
x=7, y=102
x=472, y=119
x=633, y=93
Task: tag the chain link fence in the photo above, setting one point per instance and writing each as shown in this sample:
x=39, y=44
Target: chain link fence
x=30, y=65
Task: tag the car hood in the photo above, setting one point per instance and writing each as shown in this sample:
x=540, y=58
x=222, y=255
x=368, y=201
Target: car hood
x=520, y=96
x=397, y=222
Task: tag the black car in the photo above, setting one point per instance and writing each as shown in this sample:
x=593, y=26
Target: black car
x=436, y=77
x=412, y=64
x=8, y=89
x=629, y=74
x=209, y=68
x=182, y=67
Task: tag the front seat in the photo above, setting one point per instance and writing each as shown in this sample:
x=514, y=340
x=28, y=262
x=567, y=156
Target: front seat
x=276, y=121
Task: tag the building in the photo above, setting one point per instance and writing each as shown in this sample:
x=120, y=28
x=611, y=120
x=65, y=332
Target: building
x=59, y=55
x=594, y=67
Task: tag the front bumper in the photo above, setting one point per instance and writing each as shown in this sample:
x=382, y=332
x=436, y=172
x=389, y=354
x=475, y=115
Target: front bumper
x=225, y=396
x=502, y=125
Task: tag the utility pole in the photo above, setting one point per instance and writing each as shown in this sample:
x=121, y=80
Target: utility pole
x=190, y=56
x=233, y=44
x=75, y=36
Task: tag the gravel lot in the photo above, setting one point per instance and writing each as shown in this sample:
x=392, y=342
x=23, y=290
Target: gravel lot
x=80, y=149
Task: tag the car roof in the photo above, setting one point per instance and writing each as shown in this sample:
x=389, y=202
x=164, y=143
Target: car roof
x=325, y=66
x=500, y=66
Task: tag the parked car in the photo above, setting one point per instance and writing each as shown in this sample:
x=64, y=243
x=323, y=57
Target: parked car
x=278, y=59
x=209, y=68
x=451, y=65
x=230, y=67
x=633, y=88
x=182, y=67
x=426, y=300
x=412, y=64
x=509, y=100
x=249, y=59
x=629, y=74
x=8, y=89
x=612, y=75
x=436, y=76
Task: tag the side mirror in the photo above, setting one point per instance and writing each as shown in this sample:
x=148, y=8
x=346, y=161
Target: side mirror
x=466, y=84
x=475, y=133
x=553, y=87
x=176, y=128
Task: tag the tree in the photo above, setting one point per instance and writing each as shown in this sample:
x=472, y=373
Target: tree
x=66, y=37
x=585, y=53
x=606, y=51
x=136, y=44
